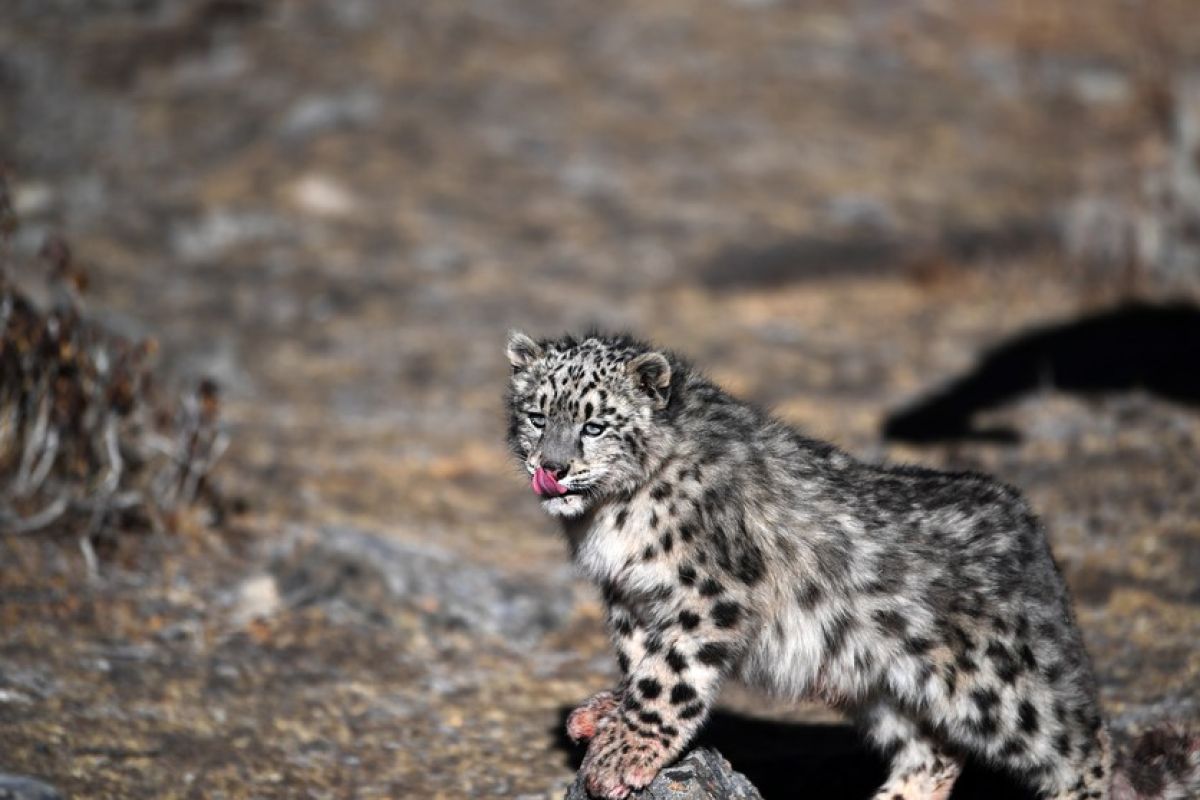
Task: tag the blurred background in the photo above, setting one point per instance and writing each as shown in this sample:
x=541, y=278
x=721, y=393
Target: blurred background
x=278, y=244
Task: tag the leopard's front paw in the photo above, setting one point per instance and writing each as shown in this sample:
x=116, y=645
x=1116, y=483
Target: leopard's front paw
x=621, y=759
x=584, y=721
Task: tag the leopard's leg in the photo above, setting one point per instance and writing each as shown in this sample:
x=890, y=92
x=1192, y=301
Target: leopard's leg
x=920, y=768
x=1091, y=774
x=672, y=674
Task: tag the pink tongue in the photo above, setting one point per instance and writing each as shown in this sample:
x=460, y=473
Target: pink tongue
x=545, y=484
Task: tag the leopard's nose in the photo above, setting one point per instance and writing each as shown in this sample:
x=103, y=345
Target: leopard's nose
x=556, y=469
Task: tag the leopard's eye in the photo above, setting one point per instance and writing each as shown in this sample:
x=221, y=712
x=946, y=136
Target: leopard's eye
x=537, y=420
x=593, y=429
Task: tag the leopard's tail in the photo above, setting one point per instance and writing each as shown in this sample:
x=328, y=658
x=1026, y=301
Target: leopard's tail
x=1161, y=764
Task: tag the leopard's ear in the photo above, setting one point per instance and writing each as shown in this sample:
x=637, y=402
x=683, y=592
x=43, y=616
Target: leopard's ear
x=652, y=374
x=522, y=351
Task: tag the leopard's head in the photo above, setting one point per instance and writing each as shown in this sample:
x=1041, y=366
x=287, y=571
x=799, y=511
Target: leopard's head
x=586, y=416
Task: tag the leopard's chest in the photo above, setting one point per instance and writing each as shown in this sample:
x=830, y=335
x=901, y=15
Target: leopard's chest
x=623, y=548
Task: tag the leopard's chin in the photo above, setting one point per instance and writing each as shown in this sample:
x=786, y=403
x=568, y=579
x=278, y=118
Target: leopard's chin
x=566, y=505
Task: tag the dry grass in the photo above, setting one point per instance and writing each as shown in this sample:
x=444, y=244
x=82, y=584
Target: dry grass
x=88, y=444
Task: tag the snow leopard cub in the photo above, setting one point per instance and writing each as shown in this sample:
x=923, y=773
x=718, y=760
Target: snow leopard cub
x=726, y=544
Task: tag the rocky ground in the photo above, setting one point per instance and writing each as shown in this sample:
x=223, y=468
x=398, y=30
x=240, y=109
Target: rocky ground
x=337, y=209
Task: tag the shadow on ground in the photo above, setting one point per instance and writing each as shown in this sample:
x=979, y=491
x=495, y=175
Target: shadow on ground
x=824, y=761
x=866, y=254
x=1134, y=346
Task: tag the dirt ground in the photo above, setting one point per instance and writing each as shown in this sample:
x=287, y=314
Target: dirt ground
x=337, y=209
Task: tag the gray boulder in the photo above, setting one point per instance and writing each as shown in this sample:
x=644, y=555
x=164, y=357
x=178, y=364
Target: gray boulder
x=360, y=573
x=17, y=787
x=702, y=774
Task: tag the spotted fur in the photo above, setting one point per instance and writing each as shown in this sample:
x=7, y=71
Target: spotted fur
x=726, y=544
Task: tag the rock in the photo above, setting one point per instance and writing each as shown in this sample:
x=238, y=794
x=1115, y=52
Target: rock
x=344, y=569
x=318, y=113
x=17, y=787
x=221, y=230
x=257, y=598
x=860, y=212
x=322, y=196
x=703, y=774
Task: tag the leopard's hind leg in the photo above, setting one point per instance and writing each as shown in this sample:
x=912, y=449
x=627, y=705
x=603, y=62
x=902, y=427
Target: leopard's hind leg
x=920, y=768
